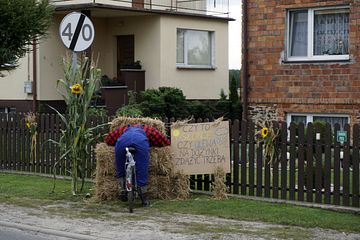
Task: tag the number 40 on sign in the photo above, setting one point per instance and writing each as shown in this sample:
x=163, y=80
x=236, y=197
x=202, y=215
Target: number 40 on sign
x=77, y=31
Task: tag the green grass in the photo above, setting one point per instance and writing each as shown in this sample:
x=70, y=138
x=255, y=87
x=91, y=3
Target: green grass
x=34, y=191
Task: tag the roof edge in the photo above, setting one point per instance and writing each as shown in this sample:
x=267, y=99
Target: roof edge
x=89, y=6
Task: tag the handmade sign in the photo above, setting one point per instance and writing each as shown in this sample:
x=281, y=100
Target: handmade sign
x=201, y=147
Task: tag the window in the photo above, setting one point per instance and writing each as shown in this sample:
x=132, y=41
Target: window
x=195, y=49
x=318, y=34
x=306, y=118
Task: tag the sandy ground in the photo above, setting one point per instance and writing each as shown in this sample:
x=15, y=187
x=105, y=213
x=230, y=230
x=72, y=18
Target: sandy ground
x=140, y=225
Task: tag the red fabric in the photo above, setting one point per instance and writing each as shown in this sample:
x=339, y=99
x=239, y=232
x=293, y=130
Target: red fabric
x=155, y=137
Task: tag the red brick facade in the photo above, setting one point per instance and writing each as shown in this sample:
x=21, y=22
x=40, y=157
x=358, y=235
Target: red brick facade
x=308, y=87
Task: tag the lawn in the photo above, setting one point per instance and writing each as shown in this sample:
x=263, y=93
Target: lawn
x=34, y=191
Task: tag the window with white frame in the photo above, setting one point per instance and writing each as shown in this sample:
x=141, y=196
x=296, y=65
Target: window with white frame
x=318, y=34
x=305, y=118
x=195, y=48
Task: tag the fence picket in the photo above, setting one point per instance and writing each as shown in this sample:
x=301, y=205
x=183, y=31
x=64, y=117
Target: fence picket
x=355, y=166
x=251, y=158
x=235, y=137
x=336, y=190
x=345, y=166
x=301, y=161
x=327, y=176
x=17, y=140
x=283, y=160
x=309, y=163
x=244, y=137
x=259, y=166
x=2, y=140
x=318, y=163
x=58, y=168
x=292, y=161
x=275, y=166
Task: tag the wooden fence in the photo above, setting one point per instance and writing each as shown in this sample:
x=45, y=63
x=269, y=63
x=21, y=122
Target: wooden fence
x=309, y=167
x=15, y=144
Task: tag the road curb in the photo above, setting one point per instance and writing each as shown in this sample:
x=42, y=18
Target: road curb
x=58, y=233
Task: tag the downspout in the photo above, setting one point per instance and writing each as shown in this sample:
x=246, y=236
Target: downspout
x=244, y=60
x=34, y=86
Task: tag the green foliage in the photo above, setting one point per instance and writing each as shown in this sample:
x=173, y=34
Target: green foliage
x=97, y=112
x=106, y=81
x=201, y=109
x=164, y=102
x=129, y=111
x=235, y=73
x=233, y=91
x=22, y=22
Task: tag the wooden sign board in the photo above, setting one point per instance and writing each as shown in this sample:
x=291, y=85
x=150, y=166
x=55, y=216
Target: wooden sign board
x=201, y=147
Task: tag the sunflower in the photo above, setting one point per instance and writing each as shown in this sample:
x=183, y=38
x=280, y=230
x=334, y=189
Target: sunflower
x=76, y=89
x=264, y=132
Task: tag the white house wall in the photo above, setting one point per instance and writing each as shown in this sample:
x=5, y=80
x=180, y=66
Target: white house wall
x=146, y=31
x=12, y=83
x=196, y=84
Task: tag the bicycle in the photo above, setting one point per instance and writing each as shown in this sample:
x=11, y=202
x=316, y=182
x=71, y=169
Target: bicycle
x=130, y=177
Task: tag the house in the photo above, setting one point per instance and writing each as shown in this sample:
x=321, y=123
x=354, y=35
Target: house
x=301, y=60
x=180, y=43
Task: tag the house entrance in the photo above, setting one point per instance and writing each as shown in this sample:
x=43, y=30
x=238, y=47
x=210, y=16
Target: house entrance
x=125, y=52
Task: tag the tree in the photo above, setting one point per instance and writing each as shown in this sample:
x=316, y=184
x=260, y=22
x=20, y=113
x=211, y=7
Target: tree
x=21, y=23
x=235, y=106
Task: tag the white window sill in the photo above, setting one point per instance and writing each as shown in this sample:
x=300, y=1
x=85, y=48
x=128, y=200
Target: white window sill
x=325, y=58
x=196, y=67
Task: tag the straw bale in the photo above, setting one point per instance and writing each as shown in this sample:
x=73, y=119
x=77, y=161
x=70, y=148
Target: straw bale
x=219, y=187
x=180, y=185
x=162, y=157
x=152, y=186
x=153, y=162
x=107, y=188
x=123, y=121
x=105, y=160
x=163, y=187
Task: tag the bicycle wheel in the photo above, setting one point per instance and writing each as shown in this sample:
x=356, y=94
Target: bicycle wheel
x=131, y=193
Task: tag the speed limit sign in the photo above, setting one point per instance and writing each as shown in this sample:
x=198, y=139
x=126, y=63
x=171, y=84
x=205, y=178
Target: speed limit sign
x=77, y=31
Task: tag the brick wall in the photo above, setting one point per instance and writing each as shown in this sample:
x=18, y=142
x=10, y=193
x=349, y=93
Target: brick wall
x=317, y=87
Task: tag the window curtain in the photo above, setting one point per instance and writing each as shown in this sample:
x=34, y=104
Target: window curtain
x=332, y=120
x=298, y=33
x=331, y=32
x=199, y=52
x=180, y=46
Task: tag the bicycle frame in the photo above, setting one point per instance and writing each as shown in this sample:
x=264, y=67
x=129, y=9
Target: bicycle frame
x=130, y=181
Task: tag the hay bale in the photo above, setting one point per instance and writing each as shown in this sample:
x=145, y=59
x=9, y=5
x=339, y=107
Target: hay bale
x=152, y=186
x=107, y=188
x=105, y=160
x=162, y=160
x=153, y=162
x=180, y=186
x=219, y=186
x=163, y=187
x=123, y=121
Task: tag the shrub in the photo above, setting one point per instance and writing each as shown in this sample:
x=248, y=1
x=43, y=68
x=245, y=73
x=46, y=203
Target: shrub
x=164, y=102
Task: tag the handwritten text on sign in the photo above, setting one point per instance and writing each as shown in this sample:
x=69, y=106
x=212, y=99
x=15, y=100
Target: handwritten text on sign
x=200, y=147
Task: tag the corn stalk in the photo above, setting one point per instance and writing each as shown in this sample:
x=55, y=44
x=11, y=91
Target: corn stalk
x=77, y=89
